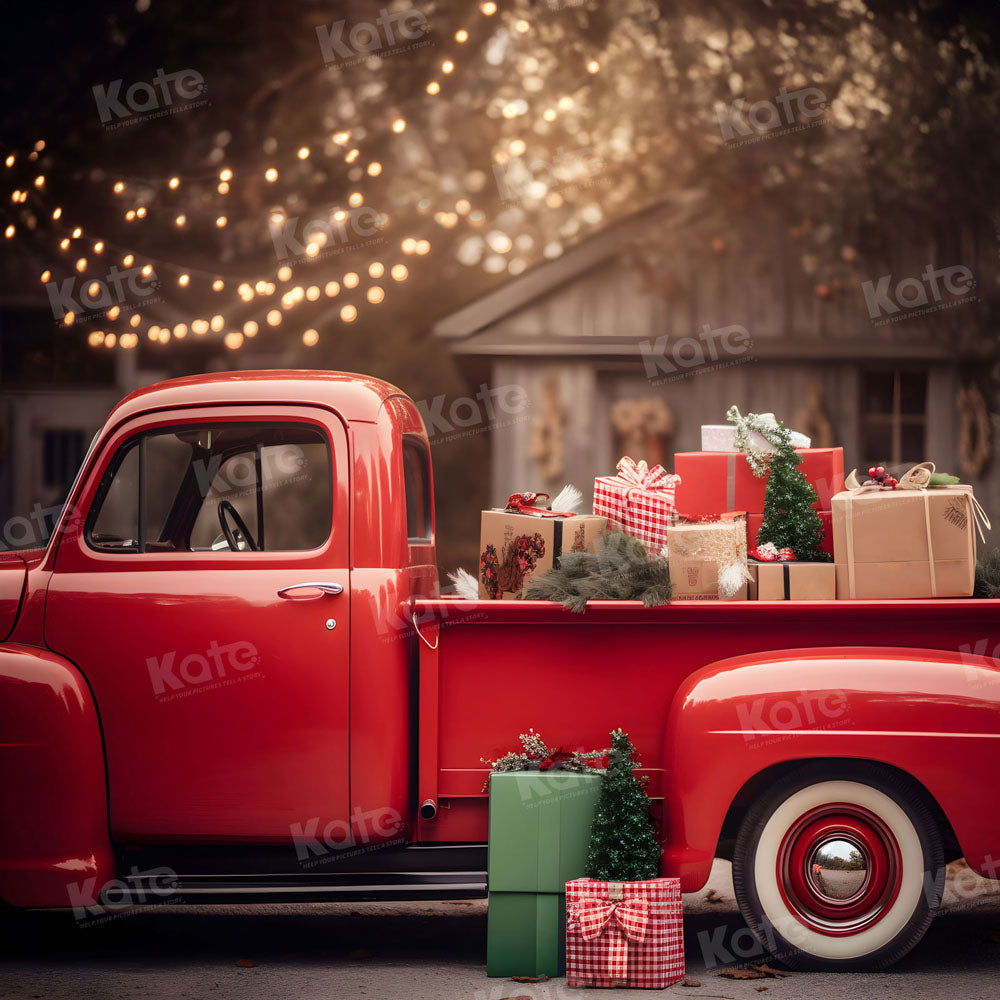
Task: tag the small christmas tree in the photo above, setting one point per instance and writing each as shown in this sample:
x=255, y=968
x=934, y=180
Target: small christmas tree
x=790, y=521
x=624, y=846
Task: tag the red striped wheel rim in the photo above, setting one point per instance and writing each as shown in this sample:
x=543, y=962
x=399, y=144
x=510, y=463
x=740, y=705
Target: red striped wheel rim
x=802, y=887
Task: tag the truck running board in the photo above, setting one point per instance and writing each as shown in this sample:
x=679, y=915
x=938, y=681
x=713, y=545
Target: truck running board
x=303, y=888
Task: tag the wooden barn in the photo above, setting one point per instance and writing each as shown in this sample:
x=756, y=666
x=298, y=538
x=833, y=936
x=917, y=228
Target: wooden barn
x=631, y=340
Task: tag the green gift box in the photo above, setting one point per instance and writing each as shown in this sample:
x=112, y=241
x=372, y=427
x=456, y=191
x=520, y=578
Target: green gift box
x=539, y=834
x=539, y=829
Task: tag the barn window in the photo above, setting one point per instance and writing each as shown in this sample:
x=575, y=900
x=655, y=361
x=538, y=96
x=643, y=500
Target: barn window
x=894, y=416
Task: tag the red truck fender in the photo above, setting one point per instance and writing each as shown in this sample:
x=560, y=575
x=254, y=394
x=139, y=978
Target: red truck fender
x=54, y=841
x=736, y=725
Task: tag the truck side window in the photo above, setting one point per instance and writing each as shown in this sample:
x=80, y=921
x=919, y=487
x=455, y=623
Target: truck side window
x=217, y=488
x=416, y=480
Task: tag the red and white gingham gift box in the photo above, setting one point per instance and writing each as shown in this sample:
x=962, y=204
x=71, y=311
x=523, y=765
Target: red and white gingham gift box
x=624, y=933
x=639, y=500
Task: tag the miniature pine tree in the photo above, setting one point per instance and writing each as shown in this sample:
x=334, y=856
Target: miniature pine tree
x=624, y=846
x=789, y=518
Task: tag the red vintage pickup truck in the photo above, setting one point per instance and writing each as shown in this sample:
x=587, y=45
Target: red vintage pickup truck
x=228, y=675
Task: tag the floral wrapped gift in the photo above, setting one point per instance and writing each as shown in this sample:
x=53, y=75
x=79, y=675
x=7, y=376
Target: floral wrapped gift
x=639, y=500
x=525, y=538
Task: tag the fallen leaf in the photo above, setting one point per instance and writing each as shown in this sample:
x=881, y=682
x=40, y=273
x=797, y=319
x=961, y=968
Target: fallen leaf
x=529, y=979
x=690, y=982
x=359, y=953
x=750, y=973
x=760, y=989
x=245, y=963
x=713, y=897
x=768, y=971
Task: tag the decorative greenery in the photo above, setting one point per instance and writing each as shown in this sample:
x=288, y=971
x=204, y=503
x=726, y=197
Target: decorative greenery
x=789, y=518
x=746, y=427
x=988, y=575
x=536, y=756
x=619, y=570
x=624, y=846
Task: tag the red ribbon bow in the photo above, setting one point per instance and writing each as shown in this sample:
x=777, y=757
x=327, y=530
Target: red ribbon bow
x=624, y=921
x=524, y=503
x=638, y=476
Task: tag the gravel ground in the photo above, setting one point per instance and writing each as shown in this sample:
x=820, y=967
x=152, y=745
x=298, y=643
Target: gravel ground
x=435, y=951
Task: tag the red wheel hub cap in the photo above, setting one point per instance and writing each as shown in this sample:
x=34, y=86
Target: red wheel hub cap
x=839, y=868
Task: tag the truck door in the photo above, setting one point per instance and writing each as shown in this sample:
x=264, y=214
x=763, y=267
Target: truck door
x=205, y=596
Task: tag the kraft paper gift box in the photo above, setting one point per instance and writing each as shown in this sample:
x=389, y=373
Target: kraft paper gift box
x=698, y=553
x=906, y=543
x=639, y=500
x=539, y=834
x=712, y=481
x=624, y=933
x=796, y=581
x=517, y=543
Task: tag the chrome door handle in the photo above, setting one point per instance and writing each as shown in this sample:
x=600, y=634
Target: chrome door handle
x=327, y=588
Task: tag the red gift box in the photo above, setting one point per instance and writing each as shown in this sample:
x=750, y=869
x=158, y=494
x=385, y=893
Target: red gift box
x=754, y=521
x=639, y=500
x=624, y=933
x=714, y=481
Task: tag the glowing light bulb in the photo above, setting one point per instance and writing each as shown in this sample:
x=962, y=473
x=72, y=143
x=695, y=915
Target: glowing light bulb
x=63, y=244
x=312, y=249
x=81, y=264
x=10, y=160
x=331, y=289
x=348, y=314
x=433, y=87
x=303, y=153
x=70, y=318
x=399, y=125
x=376, y=269
x=313, y=293
x=461, y=36
x=173, y=183
x=409, y=245
x=351, y=280
x=217, y=323
x=129, y=215
x=57, y=213
x=199, y=327
x=110, y=340
x=352, y=155
x=221, y=221
x=245, y=292
x=233, y=340
x=522, y=26
x=374, y=168
x=77, y=233
x=147, y=270
x=340, y=138
x=489, y=8
x=225, y=174
x=310, y=338
x=141, y=213
x=356, y=198
x=274, y=317
x=593, y=66
x=94, y=289
x=46, y=274
x=423, y=247
x=135, y=320
x=223, y=188
x=250, y=328
x=95, y=338
x=128, y=260
x=184, y=280
x=284, y=273
x=180, y=220
x=218, y=285
x=399, y=272
x=270, y=175
x=447, y=66
x=180, y=331
x=375, y=295
x=40, y=181
x=119, y=187
x=9, y=231
x=99, y=246
x=113, y=313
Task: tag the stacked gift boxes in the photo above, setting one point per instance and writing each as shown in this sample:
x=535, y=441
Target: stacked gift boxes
x=716, y=481
x=539, y=832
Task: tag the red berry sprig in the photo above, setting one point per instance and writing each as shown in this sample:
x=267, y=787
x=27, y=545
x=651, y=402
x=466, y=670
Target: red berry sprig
x=877, y=476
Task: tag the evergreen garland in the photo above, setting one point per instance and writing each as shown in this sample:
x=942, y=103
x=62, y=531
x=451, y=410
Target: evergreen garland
x=619, y=570
x=624, y=846
x=988, y=576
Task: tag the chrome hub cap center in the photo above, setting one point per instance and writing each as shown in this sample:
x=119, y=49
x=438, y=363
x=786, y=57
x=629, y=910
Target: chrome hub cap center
x=837, y=869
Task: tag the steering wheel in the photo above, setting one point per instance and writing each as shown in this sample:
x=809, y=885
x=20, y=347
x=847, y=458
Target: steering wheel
x=225, y=507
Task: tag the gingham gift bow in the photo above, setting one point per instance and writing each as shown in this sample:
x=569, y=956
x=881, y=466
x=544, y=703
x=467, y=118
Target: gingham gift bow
x=624, y=921
x=640, y=477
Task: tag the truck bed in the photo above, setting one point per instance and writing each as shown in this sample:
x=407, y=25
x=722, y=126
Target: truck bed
x=500, y=667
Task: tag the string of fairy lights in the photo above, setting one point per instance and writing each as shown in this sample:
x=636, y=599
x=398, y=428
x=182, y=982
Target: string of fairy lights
x=272, y=297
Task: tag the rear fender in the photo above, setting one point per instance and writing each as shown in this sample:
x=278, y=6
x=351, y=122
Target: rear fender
x=932, y=714
x=55, y=846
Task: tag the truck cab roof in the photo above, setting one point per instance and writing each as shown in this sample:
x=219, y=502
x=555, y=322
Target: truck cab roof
x=354, y=397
